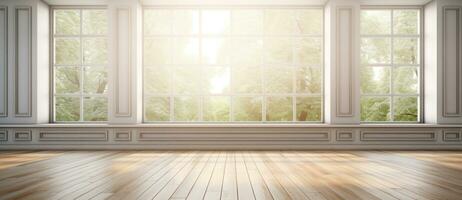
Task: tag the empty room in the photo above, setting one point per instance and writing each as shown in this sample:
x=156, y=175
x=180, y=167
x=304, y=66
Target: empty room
x=231, y=99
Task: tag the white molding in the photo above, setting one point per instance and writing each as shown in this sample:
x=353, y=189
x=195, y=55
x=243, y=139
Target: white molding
x=123, y=135
x=345, y=135
x=22, y=135
x=73, y=135
x=451, y=135
x=398, y=135
x=4, y=11
x=16, y=97
x=3, y=135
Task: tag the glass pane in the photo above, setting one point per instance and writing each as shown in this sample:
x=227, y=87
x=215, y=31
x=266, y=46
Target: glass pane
x=308, y=51
x=247, y=21
x=278, y=80
x=186, y=51
x=67, y=109
x=95, y=80
x=375, y=80
x=67, y=80
x=247, y=79
x=157, y=109
x=67, y=51
x=215, y=51
x=375, y=50
x=375, y=109
x=406, y=21
x=157, y=21
x=309, y=108
x=246, y=51
x=247, y=108
x=186, y=80
x=94, y=109
x=279, y=109
x=309, y=21
x=157, y=51
x=186, y=108
x=95, y=51
x=278, y=21
x=94, y=22
x=375, y=22
x=309, y=80
x=216, y=108
x=278, y=51
x=186, y=21
x=406, y=51
x=156, y=80
x=215, y=21
x=405, y=108
x=406, y=80
x=67, y=22
x=217, y=80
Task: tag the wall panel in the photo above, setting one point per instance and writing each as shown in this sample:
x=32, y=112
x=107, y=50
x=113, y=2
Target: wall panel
x=123, y=82
x=3, y=61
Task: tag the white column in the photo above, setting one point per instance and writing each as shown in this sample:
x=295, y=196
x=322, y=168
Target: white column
x=25, y=91
x=342, y=62
x=125, y=88
x=443, y=62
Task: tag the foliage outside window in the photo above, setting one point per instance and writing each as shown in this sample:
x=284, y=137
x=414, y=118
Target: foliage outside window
x=390, y=65
x=79, y=64
x=238, y=65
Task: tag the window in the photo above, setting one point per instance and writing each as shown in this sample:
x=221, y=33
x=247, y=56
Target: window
x=390, y=65
x=79, y=64
x=233, y=65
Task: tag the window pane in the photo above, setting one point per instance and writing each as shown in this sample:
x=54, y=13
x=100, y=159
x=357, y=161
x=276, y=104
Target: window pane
x=157, y=109
x=375, y=22
x=406, y=51
x=157, y=51
x=308, y=50
x=67, y=22
x=184, y=21
x=215, y=21
x=186, y=108
x=67, y=51
x=215, y=51
x=279, y=109
x=186, y=51
x=375, y=109
x=186, y=80
x=247, y=79
x=309, y=21
x=406, y=21
x=278, y=21
x=157, y=80
x=309, y=108
x=217, y=80
x=67, y=80
x=375, y=50
x=246, y=51
x=94, y=22
x=94, y=109
x=216, y=108
x=405, y=108
x=278, y=51
x=95, y=80
x=67, y=109
x=309, y=80
x=375, y=80
x=157, y=21
x=95, y=51
x=247, y=108
x=278, y=80
x=406, y=80
x=247, y=21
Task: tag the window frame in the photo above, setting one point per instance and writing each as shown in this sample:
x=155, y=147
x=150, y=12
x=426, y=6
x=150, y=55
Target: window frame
x=230, y=94
x=52, y=114
x=421, y=66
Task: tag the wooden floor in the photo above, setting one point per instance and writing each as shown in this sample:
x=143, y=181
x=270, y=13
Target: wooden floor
x=231, y=175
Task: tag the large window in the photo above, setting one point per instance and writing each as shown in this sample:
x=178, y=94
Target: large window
x=237, y=65
x=79, y=64
x=390, y=65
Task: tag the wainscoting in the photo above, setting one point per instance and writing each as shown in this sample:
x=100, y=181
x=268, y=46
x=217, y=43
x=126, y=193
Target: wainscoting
x=316, y=175
x=197, y=136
